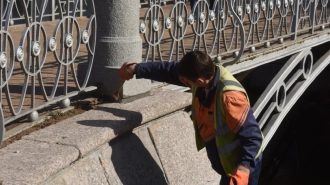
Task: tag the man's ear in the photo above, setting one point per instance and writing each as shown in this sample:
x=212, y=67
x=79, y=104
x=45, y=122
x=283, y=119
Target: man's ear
x=200, y=81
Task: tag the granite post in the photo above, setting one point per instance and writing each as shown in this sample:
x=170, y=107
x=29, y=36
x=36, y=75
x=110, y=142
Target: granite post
x=118, y=41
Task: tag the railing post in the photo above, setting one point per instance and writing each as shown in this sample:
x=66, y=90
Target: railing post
x=53, y=10
x=118, y=41
x=295, y=21
x=312, y=13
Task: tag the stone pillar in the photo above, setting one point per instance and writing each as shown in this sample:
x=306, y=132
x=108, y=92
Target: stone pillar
x=118, y=41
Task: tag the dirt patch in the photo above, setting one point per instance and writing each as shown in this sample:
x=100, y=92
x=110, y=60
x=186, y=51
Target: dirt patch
x=54, y=117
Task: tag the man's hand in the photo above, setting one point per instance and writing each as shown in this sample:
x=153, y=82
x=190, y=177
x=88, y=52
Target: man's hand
x=127, y=70
x=240, y=176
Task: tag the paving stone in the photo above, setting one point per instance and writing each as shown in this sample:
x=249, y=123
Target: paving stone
x=174, y=139
x=31, y=162
x=87, y=171
x=94, y=128
x=132, y=159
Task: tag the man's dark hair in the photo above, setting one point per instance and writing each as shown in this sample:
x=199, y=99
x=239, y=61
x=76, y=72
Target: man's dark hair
x=196, y=64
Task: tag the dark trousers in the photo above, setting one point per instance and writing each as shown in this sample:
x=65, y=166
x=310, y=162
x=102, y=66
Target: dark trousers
x=212, y=154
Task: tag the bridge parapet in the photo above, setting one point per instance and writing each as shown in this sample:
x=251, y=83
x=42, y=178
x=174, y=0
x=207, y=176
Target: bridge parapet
x=34, y=50
x=230, y=31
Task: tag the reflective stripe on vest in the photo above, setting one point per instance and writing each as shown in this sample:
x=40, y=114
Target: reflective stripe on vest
x=228, y=148
x=222, y=129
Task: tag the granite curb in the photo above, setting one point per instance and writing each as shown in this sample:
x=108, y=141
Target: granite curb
x=71, y=139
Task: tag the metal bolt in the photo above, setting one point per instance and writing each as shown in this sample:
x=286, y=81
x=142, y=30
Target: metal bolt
x=217, y=59
x=252, y=49
x=11, y=23
x=235, y=54
x=64, y=103
x=3, y=60
x=267, y=44
x=280, y=41
x=322, y=27
x=33, y=116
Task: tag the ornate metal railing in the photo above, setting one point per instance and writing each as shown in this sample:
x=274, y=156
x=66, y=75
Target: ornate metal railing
x=48, y=53
x=229, y=28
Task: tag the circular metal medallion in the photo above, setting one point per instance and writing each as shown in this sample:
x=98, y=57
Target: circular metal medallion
x=212, y=15
x=69, y=40
x=263, y=6
x=3, y=60
x=19, y=53
x=142, y=27
x=248, y=9
x=180, y=21
x=36, y=48
x=191, y=19
x=51, y=44
x=291, y=2
x=202, y=17
x=278, y=3
x=256, y=8
x=271, y=5
x=239, y=11
x=84, y=37
x=168, y=23
x=155, y=25
x=222, y=14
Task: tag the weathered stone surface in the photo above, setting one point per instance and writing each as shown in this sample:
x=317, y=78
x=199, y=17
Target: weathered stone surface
x=118, y=41
x=175, y=142
x=132, y=159
x=156, y=105
x=94, y=128
x=31, y=162
x=86, y=171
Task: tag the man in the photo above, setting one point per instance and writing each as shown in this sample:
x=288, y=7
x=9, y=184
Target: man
x=223, y=119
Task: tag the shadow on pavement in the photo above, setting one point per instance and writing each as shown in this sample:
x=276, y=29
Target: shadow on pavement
x=130, y=158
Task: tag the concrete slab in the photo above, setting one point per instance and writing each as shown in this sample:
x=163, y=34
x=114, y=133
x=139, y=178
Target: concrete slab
x=175, y=142
x=94, y=128
x=31, y=162
x=87, y=171
x=132, y=159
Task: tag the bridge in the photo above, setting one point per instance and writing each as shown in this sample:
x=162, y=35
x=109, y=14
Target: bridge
x=51, y=51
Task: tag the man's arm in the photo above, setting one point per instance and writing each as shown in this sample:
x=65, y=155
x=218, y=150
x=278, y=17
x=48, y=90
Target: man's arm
x=158, y=71
x=240, y=120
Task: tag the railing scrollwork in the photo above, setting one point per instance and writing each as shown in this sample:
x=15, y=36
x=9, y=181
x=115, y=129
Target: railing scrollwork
x=38, y=46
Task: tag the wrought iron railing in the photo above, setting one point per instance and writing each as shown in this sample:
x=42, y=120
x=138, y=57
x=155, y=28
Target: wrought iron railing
x=232, y=30
x=40, y=42
x=229, y=28
x=33, y=50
